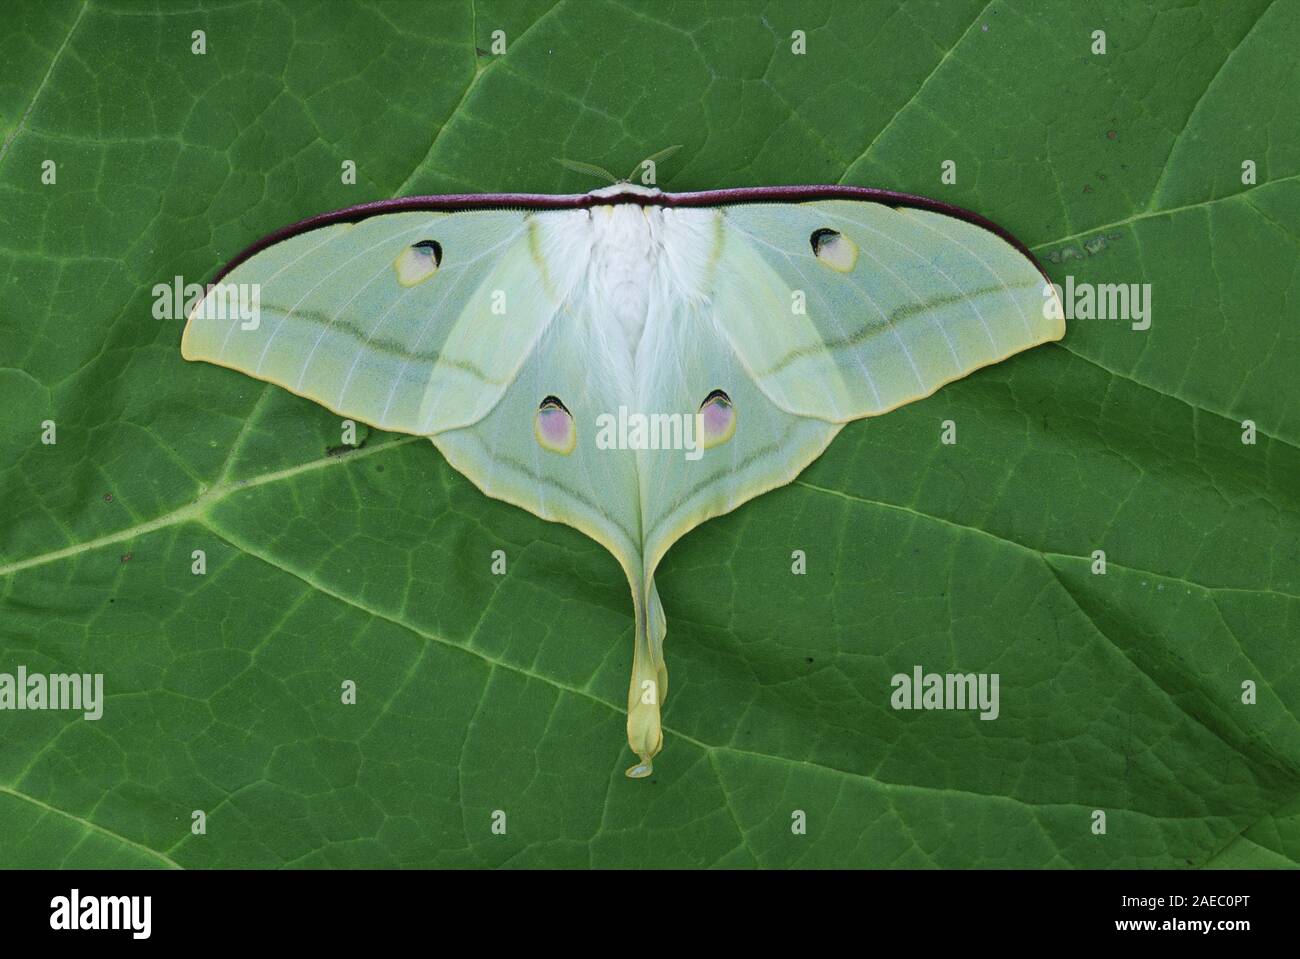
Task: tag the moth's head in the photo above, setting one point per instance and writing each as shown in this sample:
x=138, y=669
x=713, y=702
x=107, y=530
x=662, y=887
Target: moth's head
x=623, y=188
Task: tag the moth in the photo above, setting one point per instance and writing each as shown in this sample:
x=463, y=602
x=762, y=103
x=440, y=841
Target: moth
x=736, y=330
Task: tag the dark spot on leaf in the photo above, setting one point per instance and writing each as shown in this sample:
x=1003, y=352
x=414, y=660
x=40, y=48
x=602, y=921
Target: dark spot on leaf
x=379, y=469
x=1091, y=247
x=1111, y=134
x=108, y=497
x=340, y=450
x=126, y=557
x=810, y=659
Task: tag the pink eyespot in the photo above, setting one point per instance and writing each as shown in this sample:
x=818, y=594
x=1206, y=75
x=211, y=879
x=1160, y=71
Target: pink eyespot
x=554, y=427
x=719, y=418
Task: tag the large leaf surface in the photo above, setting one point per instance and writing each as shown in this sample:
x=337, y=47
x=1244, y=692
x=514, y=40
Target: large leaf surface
x=1120, y=693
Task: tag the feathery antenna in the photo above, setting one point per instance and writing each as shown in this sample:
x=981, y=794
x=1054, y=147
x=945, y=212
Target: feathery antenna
x=590, y=169
x=587, y=169
x=663, y=154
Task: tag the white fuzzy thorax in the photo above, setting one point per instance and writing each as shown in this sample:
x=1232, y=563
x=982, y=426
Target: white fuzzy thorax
x=629, y=270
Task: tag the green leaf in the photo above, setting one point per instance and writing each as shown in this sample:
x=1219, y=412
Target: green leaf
x=1119, y=692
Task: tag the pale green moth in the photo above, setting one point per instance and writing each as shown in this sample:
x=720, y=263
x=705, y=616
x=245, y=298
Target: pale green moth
x=747, y=326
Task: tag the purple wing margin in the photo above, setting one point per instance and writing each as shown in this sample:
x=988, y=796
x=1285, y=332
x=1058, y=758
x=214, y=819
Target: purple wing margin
x=457, y=202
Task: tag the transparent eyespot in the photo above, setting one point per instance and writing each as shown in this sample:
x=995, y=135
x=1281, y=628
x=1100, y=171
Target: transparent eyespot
x=834, y=249
x=418, y=262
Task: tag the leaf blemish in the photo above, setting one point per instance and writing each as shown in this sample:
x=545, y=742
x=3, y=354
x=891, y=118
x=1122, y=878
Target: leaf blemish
x=1090, y=247
x=340, y=450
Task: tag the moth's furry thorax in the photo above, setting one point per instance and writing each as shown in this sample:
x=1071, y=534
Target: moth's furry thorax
x=630, y=269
